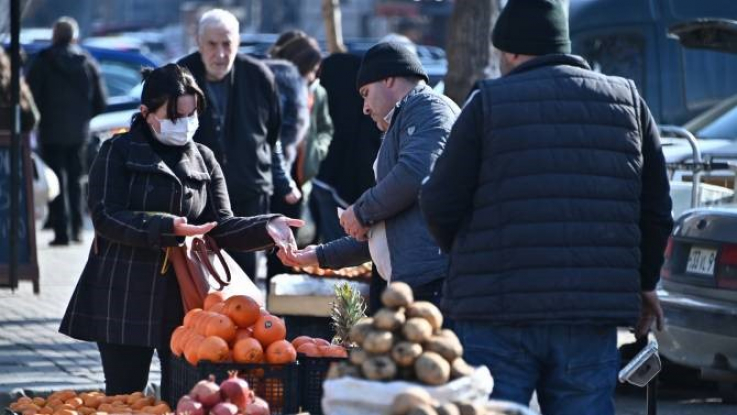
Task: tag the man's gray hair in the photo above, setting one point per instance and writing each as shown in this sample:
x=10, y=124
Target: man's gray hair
x=65, y=31
x=218, y=18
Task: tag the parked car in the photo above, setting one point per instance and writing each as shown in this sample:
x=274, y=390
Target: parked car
x=432, y=57
x=698, y=288
x=678, y=83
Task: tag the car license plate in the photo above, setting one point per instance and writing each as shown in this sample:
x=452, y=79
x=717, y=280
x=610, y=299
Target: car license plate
x=701, y=261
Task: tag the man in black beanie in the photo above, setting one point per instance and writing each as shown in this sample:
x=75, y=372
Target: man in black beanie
x=553, y=201
x=385, y=224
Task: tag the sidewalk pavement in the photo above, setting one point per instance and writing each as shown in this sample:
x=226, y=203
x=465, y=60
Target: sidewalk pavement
x=34, y=356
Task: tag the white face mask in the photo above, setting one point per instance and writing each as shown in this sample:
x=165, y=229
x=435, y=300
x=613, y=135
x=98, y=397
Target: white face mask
x=177, y=133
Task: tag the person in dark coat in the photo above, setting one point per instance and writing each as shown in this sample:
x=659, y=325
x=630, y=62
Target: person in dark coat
x=29, y=115
x=68, y=90
x=553, y=199
x=150, y=188
x=242, y=120
x=347, y=170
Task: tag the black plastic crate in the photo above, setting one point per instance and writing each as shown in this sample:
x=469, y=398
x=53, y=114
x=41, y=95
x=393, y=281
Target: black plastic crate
x=276, y=384
x=312, y=373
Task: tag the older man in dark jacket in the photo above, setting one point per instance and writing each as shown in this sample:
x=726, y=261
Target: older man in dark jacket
x=242, y=120
x=552, y=197
x=67, y=88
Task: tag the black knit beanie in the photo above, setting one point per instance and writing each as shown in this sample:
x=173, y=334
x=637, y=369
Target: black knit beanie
x=532, y=27
x=388, y=59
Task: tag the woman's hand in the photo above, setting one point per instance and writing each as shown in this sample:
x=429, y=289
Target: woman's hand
x=280, y=230
x=301, y=258
x=181, y=228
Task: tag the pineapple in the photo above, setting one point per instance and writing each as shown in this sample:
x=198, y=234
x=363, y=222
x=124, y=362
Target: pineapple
x=347, y=309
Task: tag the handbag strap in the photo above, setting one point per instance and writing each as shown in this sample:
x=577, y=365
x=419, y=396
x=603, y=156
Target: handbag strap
x=201, y=248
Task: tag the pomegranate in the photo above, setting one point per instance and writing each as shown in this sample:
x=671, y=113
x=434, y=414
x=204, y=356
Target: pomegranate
x=188, y=406
x=224, y=408
x=258, y=407
x=206, y=392
x=236, y=391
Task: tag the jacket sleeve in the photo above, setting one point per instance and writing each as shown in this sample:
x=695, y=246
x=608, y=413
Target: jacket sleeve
x=424, y=129
x=36, y=79
x=656, y=220
x=318, y=144
x=231, y=232
x=99, y=92
x=283, y=183
x=108, y=200
x=446, y=199
x=344, y=252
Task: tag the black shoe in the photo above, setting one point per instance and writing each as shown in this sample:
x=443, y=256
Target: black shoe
x=59, y=242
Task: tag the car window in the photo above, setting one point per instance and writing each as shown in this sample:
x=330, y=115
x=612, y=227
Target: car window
x=120, y=77
x=703, y=91
x=723, y=127
x=620, y=54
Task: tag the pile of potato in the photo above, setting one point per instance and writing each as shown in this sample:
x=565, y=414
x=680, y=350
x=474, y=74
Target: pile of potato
x=417, y=401
x=68, y=402
x=404, y=341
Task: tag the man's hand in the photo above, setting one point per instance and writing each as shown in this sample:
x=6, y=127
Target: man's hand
x=280, y=230
x=293, y=197
x=300, y=258
x=181, y=228
x=651, y=312
x=351, y=226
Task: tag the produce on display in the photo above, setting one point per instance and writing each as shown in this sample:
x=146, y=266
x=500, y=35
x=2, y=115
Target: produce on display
x=68, y=402
x=403, y=341
x=346, y=310
x=232, y=397
x=362, y=271
x=232, y=329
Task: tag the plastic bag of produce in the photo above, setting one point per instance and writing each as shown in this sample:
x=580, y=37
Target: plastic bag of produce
x=351, y=396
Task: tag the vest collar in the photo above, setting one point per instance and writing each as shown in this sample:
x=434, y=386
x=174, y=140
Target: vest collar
x=551, y=60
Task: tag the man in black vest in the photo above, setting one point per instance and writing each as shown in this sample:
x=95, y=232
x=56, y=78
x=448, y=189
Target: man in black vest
x=553, y=199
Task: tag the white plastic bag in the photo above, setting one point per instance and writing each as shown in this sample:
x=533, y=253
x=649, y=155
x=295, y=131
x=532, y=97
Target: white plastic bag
x=351, y=396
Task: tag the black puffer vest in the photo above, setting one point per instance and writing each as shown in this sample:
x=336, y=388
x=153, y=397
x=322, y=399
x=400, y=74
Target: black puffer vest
x=554, y=234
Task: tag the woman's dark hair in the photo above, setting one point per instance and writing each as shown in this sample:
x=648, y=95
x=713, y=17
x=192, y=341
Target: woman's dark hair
x=295, y=46
x=168, y=83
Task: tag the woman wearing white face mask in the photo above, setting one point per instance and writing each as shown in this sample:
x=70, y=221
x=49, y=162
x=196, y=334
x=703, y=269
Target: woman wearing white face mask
x=149, y=188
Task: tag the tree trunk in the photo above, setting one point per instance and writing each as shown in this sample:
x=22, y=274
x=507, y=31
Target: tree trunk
x=333, y=25
x=470, y=54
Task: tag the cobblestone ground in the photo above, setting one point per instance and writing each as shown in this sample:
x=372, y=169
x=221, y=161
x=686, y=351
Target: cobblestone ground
x=34, y=356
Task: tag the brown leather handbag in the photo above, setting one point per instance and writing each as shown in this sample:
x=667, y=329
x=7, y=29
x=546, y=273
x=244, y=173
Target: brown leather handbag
x=202, y=267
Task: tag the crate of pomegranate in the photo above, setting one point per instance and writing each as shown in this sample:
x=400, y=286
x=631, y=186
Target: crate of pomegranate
x=235, y=341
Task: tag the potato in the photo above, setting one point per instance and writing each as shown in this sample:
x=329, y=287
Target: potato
x=65, y=412
x=29, y=412
x=133, y=397
x=46, y=410
x=24, y=399
x=378, y=341
x=359, y=330
x=343, y=369
x=428, y=311
x=358, y=356
x=432, y=369
x=387, y=319
x=39, y=401
x=445, y=346
x=411, y=397
x=379, y=368
x=417, y=330
x=459, y=368
x=85, y=410
x=397, y=294
x=76, y=402
x=159, y=409
x=448, y=409
x=405, y=353
x=92, y=401
x=422, y=410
